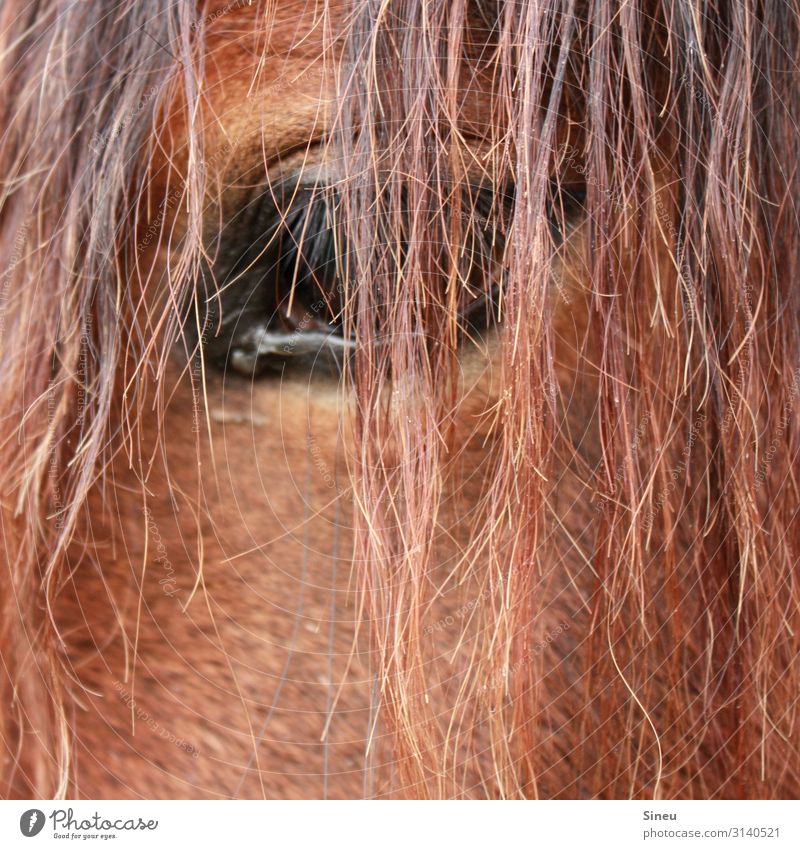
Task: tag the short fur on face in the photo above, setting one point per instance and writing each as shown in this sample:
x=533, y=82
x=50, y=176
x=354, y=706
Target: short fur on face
x=399, y=400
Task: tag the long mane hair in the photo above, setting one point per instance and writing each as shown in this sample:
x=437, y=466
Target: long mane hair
x=677, y=410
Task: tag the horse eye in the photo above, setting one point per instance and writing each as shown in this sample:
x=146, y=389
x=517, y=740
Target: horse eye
x=272, y=292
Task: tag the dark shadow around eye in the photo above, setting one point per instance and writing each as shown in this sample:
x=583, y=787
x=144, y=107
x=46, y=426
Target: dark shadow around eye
x=274, y=296
x=272, y=293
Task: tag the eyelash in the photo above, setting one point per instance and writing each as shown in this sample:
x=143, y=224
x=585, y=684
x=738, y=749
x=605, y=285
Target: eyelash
x=307, y=261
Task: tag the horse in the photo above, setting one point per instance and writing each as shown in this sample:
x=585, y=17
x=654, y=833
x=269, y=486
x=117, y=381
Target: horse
x=399, y=399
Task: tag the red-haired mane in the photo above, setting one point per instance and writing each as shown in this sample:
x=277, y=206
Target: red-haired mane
x=622, y=559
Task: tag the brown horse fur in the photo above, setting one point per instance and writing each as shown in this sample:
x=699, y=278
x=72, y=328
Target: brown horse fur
x=553, y=558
